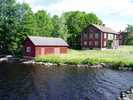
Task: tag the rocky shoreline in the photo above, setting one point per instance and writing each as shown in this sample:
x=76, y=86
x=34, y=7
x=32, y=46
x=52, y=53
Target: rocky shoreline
x=101, y=65
x=126, y=95
x=9, y=59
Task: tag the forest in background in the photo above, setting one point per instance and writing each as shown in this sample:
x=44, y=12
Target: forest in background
x=18, y=21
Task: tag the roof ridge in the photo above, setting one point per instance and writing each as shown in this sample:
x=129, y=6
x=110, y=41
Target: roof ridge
x=104, y=28
x=38, y=40
x=45, y=37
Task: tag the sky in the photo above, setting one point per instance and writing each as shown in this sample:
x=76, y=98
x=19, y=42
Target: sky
x=114, y=13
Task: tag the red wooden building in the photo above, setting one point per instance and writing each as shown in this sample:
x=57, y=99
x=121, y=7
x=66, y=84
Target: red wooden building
x=40, y=46
x=98, y=37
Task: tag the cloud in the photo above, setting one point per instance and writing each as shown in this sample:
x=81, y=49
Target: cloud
x=117, y=12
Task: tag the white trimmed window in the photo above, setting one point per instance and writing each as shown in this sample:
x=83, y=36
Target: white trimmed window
x=105, y=35
x=96, y=43
x=110, y=36
x=85, y=43
x=96, y=35
x=105, y=43
x=114, y=36
x=28, y=49
x=90, y=43
x=90, y=35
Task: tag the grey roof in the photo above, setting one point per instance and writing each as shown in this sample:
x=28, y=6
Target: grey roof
x=47, y=41
x=104, y=29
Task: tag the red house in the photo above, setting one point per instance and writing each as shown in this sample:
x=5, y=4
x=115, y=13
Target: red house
x=98, y=37
x=40, y=46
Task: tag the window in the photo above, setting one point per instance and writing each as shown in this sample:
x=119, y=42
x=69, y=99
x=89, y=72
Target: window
x=105, y=43
x=85, y=43
x=96, y=43
x=105, y=35
x=110, y=36
x=96, y=35
x=90, y=35
x=90, y=43
x=85, y=35
x=28, y=49
x=115, y=37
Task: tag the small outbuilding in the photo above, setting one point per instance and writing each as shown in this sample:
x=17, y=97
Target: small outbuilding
x=40, y=46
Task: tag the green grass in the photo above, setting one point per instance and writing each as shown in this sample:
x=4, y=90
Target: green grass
x=122, y=57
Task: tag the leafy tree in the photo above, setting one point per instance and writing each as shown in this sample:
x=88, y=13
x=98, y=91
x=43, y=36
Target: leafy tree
x=27, y=22
x=8, y=24
x=60, y=29
x=44, y=26
x=56, y=25
x=128, y=35
x=15, y=24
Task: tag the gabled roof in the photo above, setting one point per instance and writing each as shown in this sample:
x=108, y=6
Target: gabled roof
x=47, y=41
x=104, y=29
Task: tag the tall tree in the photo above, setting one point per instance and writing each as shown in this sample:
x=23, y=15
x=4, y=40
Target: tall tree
x=60, y=29
x=8, y=24
x=44, y=26
x=27, y=22
x=128, y=35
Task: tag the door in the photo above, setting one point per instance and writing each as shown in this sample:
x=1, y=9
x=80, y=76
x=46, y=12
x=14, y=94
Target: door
x=56, y=50
x=42, y=51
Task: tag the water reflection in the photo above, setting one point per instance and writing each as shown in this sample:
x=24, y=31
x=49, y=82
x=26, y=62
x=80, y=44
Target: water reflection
x=26, y=82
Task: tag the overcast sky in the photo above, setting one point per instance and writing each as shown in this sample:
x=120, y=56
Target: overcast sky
x=114, y=13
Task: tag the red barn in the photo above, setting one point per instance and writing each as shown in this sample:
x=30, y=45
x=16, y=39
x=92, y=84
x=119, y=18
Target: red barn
x=98, y=37
x=40, y=46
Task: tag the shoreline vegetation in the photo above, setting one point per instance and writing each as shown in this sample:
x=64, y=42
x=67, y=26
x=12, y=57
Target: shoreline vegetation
x=120, y=58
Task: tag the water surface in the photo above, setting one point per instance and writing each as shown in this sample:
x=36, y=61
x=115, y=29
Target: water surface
x=28, y=82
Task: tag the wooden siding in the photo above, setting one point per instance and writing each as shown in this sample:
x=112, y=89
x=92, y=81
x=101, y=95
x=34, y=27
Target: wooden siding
x=28, y=43
x=101, y=39
x=49, y=50
x=41, y=50
x=88, y=31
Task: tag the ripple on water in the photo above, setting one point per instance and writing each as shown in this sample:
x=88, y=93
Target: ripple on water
x=27, y=82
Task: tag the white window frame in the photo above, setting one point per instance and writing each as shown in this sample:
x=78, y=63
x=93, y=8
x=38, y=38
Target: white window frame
x=105, y=35
x=110, y=37
x=28, y=49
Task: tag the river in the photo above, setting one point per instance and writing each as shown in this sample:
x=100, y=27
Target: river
x=37, y=82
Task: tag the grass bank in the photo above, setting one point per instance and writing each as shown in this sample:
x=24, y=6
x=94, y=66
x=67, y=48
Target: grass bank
x=122, y=57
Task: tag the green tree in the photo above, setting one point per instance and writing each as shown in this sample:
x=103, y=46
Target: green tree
x=60, y=29
x=27, y=22
x=44, y=25
x=128, y=35
x=8, y=24
x=56, y=25
x=15, y=24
